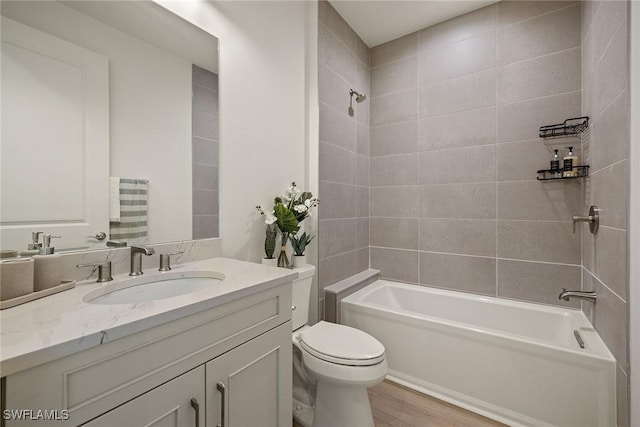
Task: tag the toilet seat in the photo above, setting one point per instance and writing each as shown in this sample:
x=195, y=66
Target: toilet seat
x=341, y=345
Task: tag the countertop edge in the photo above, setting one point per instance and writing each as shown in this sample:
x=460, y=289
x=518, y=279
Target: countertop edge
x=44, y=355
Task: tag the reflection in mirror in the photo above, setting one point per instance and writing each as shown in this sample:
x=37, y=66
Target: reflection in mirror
x=109, y=125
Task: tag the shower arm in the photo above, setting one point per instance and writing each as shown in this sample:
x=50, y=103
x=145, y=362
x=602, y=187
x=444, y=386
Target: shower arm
x=359, y=98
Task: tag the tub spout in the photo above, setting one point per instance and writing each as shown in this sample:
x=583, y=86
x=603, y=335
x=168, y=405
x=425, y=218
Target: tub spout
x=566, y=295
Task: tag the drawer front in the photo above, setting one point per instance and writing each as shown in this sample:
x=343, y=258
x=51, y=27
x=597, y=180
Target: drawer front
x=94, y=381
x=169, y=405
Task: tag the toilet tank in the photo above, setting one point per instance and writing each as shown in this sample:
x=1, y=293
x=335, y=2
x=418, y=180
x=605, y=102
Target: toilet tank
x=300, y=293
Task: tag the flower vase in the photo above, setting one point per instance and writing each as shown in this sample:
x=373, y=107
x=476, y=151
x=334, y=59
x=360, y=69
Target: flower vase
x=299, y=260
x=283, y=260
x=270, y=241
x=272, y=262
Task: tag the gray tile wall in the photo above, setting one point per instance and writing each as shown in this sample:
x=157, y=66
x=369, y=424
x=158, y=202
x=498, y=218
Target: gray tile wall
x=453, y=146
x=205, y=149
x=455, y=112
x=605, y=85
x=343, y=234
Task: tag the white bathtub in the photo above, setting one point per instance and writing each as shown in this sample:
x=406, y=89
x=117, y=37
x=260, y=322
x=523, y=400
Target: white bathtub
x=515, y=362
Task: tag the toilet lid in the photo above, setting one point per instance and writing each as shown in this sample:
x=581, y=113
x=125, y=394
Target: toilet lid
x=341, y=344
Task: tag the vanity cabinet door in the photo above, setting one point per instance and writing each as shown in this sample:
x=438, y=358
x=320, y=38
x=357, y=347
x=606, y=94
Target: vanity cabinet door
x=250, y=386
x=179, y=402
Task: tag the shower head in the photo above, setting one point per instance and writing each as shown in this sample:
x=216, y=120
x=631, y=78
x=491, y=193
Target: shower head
x=359, y=98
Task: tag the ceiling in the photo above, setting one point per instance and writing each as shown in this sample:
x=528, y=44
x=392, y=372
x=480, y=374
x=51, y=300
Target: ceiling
x=378, y=22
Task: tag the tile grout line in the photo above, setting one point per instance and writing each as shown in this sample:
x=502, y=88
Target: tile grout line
x=487, y=257
x=419, y=52
x=468, y=147
x=540, y=15
x=497, y=106
x=338, y=111
x=496, y=159
x=369, y=165
x=608, y=227
x=605, y=285
x=609, y=43
x=535, y=58
x=615, y=99
x=395, y=92
x=419, y=278
x=611, y=166
x=497, y=144
x=336, y=72
x=342, y=148
x=479, y=71
x=355, y=54
x=395, y=61
x=544, y=221
x=433, y=184
x=583, y=185
x=537, y=98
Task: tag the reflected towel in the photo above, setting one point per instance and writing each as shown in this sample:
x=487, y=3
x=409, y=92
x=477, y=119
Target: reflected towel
x=114, y=199
x=133, y=226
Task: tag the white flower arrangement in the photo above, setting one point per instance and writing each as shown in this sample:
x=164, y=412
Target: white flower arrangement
x=288, y=212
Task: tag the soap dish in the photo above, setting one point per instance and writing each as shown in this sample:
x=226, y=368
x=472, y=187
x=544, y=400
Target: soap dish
x=63, y=286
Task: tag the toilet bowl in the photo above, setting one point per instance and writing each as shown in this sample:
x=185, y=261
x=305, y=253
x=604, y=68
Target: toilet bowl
x=333, y=366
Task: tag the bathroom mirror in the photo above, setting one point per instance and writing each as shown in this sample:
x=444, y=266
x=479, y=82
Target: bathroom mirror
x=109, y=125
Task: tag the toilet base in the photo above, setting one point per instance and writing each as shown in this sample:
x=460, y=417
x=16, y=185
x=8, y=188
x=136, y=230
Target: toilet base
x=341, y=406
x=302, y=413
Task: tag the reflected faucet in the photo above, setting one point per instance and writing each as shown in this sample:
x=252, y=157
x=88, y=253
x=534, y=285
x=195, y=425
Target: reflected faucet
x=136, y=258
x=566, y=295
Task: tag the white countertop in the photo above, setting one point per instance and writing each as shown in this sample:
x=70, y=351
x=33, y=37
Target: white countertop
x=61, y=324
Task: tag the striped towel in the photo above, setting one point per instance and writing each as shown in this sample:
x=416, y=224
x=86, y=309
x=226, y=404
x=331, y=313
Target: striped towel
x=133, y=224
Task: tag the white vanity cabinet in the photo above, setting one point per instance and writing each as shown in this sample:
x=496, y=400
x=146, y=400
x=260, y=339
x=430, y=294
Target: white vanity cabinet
x=243, y=389
x=150, y=377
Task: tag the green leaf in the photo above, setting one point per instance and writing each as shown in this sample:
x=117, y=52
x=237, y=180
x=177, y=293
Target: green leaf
x=287, y=222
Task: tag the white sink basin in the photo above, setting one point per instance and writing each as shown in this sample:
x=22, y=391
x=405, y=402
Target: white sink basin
x=155, y=287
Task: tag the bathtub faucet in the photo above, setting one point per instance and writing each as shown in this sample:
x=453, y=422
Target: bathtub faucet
x=566, y=295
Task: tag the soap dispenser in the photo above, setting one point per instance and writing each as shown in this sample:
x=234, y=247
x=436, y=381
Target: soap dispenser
x=34, y=247
x=48, y=268
x=35, y=241
x=555, y=165
x=570, y=168
x=46, y=248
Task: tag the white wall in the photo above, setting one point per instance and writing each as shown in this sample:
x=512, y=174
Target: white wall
x=262, y=109
x=634, y=218
x=148, y=87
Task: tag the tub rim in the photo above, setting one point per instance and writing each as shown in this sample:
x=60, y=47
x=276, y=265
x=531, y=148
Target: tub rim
x=595, y=348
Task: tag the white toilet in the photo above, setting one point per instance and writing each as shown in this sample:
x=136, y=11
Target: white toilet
x=333, y=366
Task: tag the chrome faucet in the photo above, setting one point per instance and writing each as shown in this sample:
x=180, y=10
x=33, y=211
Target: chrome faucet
x=566, y=295
x=136, y=258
